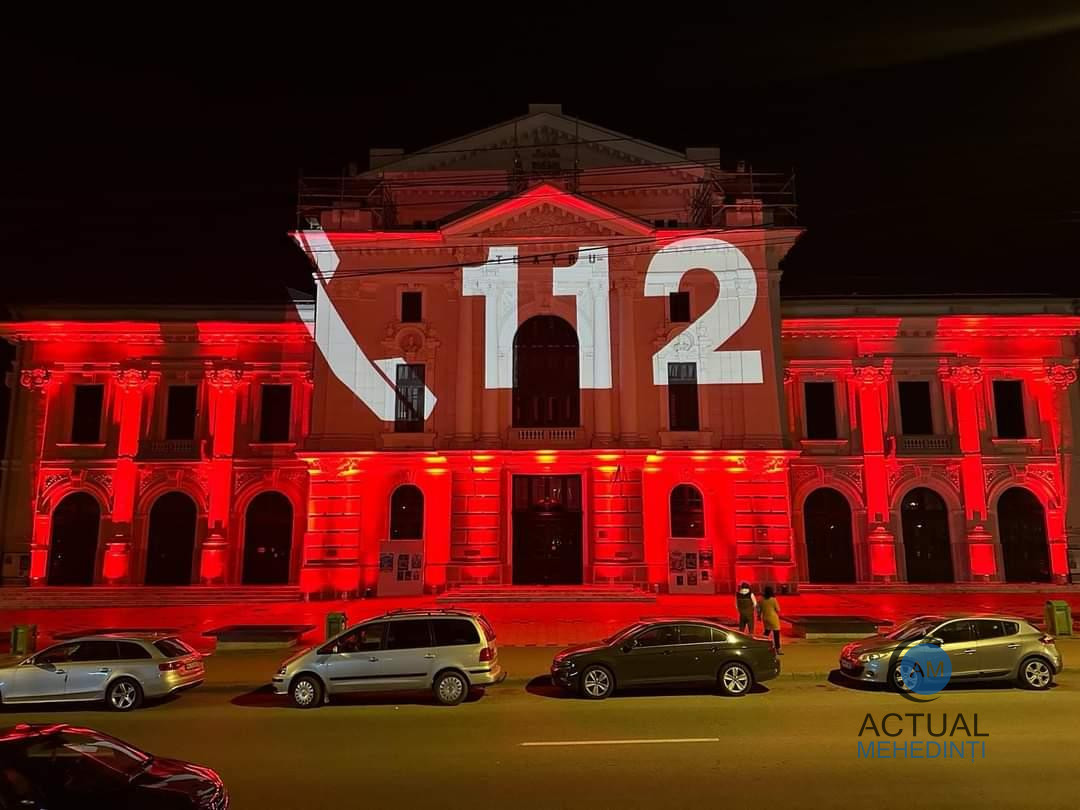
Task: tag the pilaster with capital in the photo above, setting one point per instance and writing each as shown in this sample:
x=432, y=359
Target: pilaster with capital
x=130, y=384
x=626, y=285
x=1065, y=405
x=870, y=381
x=224, y=383
x=32, y=412
x=463, y=407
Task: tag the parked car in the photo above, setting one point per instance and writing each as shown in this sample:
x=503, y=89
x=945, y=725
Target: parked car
x=59, y=766
x=446, y=651
x=982, y=647
x=666, y=651
x=121, y=670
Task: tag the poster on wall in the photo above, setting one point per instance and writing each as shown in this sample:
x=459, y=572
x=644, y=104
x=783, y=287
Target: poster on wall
x=401, y=568
x=676, y=561
x=690, y=566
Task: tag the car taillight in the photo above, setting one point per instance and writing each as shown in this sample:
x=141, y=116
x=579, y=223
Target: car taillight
x=487, y=654
x=1047, y=639
x=168, y=666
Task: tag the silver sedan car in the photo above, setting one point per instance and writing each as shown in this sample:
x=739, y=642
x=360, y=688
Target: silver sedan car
x=119, y=670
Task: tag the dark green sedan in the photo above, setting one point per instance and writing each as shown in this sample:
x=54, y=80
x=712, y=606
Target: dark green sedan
x=661, y=652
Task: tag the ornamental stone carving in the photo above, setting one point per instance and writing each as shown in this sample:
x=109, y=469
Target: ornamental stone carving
x=962, y=375
x=223, y=378
x=871, y=376
x=36, y=379
x=1060, y=376
x=131, y=379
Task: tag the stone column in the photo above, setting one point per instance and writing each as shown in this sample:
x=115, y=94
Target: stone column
x=625, y=287
x=224, y=382
x=463, y=414
x=41, y=385
x=881, y=542
x=964, y=381
x=1065, y=543
x=130, y=384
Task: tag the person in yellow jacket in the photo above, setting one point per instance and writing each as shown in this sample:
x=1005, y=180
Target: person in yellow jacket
x=769, y=611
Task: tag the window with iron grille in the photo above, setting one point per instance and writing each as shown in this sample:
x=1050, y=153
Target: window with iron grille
x=682, y=396
x=409, y=414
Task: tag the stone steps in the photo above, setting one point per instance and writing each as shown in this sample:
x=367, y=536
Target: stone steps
x=106, y=596
x=544, y=593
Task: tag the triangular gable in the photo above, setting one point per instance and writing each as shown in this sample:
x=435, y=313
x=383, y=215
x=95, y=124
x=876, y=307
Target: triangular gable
x=546, y=210
x=523, y=131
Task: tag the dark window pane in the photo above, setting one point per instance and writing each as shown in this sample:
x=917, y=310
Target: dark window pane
x=990, y=628
x=1010, y=628
x=820, y=410
x=408, y=635
x=276, y=412
x=172, y=648
x=407, y=513
x=412, y=307
x=916, y=418
x=687, y=512
x=1009, y=408
x=679, y=307
x=86, y=417
x=366, y=638
x=695, y=634
x=94, y=651
x=546, y=381
x=682, y=396
x=409, y=413
x=56, y=655
x=180, y=412
x=454, y=632
x=130, y=651
x=956, y=633
x=658, y=636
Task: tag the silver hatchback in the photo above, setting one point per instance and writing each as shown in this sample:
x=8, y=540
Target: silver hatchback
x=119, y=670
x=446, y=651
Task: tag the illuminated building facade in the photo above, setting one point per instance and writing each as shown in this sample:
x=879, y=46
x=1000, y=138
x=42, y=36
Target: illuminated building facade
x=545, y=354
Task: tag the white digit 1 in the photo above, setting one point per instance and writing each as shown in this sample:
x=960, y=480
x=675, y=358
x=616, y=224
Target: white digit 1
x=587, y=281
x=497, y=281
x=734, y=302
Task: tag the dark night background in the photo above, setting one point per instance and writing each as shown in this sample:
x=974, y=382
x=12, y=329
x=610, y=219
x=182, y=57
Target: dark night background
x=935, y=153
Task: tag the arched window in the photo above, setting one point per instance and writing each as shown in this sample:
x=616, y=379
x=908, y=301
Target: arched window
x=268, y=528
x=1022, y=529
x=924, y=518
x=407, y=513
x=830, y=553
x=76, y=522
x=170, y=540
x=687, y=512
x=546, y=382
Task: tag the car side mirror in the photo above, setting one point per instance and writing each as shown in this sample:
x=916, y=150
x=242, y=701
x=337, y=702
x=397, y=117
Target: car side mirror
x=937, y=642
x=630, y=645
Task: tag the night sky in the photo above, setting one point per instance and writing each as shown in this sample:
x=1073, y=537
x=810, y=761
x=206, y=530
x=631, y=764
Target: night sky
x=935, y=154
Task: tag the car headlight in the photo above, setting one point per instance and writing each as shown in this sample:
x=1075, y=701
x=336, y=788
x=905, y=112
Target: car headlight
x=282, y=670
x=865, y=657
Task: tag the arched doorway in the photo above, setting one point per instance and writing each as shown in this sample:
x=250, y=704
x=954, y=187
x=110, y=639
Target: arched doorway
x=76, y=522
x=1022, y=529
x=830, y=551
x=268, y=528
x=546, y=383
x=924, y=519
x=407, y=513
x=170, y=540
x=687, y=511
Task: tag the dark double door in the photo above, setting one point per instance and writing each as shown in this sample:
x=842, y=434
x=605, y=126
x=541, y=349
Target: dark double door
x=547, y=520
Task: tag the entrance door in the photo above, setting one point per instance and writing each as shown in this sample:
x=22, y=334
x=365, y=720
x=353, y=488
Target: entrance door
x=73, y=546
x=547, y=530
x=1022, y=528
x=830, y=553
x=170, y=546
x=927, y=548
x=268, y=540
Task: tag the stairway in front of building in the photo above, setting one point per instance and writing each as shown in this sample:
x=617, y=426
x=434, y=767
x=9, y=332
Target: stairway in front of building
x=457, y=594
x=106, y=596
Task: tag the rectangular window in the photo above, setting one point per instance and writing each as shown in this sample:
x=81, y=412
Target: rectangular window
x=410, y=634
x=916, y=418
x=679, y=307
x=682, y=396
x=820, y=410
x=86, y=416
x=276, y=412
x=1009, y=408
x=412, y=307
x=180, y=412
x=409, y=414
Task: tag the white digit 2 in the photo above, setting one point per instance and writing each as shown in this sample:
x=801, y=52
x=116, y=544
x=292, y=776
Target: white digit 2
x=587, y=280
x=735, y=300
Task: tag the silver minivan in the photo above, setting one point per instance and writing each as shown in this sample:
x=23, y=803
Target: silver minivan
x=446, y=651
x=118, y=669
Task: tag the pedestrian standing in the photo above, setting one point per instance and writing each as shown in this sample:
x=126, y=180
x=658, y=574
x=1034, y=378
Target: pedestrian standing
x=746, y=603
x=769, y=611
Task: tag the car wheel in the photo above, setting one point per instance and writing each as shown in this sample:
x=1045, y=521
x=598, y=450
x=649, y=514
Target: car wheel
x=450, y=688
x=896, y=680
x=735, y=679
x=306, y=691
x=124, y=694
x=597, y=683
x=1035, y=673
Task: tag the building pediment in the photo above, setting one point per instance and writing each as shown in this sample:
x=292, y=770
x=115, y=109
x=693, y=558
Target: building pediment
x=543, y=211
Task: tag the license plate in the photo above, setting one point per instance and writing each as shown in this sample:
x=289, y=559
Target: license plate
x=192, y=665
x=846, y=665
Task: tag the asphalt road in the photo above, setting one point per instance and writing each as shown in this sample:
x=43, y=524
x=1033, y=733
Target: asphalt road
x=791, y=744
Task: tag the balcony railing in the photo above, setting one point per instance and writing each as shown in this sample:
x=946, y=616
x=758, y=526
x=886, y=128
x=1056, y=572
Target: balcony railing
x=925, y=444
x=546, y=437
x=170, y=449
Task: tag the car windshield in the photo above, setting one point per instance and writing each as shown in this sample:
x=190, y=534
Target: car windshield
x=910, y=630
x=105, y=751
x=623, y=633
